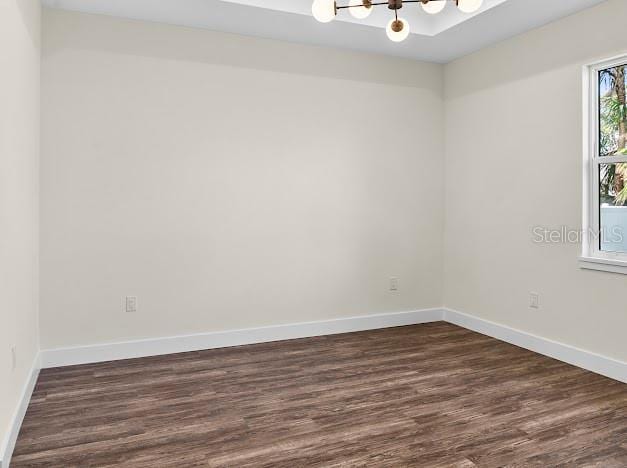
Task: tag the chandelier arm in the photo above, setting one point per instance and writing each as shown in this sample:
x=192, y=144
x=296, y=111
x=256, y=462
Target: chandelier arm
x=373, y=4
x=358, y=6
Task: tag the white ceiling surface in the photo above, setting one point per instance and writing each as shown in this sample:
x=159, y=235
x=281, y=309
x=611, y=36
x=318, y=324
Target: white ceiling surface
x=436, y=38
x=421, y=23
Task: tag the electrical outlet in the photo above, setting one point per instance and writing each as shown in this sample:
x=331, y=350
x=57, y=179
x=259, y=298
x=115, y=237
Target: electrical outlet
x=534, y=300
x=13, y=358
x=394, y=284
x=131, y=304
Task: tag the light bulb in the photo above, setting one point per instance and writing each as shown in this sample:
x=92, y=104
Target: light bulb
x=401, y=32
x=323, y=10
x=434, y=6
x=359, y=9
x=469, y=6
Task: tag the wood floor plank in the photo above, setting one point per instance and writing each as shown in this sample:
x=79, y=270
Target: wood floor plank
x=432, y=395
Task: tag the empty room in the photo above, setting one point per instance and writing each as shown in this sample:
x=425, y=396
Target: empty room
x=313, y=233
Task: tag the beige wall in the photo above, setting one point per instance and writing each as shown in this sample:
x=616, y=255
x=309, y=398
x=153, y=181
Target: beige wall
x=230, y=182
x=19, y=153
x=173, y=170
x=514, y=161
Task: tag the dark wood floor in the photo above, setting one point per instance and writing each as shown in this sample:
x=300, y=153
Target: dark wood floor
x=426, y=395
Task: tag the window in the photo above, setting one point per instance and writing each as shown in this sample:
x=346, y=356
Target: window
x=605, y=171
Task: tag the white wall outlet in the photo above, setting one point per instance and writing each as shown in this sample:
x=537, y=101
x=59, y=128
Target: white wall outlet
x=131, y=304
x=13, y=358
x=534, y=300
x=394, y=284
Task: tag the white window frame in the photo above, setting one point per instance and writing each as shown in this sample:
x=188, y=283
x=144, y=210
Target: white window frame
x=592, y=257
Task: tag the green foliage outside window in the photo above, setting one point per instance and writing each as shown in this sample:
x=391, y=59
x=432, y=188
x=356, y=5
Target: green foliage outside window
x=613, y=134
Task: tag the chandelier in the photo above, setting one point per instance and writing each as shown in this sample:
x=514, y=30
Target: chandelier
x=398, y=28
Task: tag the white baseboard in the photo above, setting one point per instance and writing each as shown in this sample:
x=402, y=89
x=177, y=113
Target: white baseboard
x=8, y=444
x=597, y=363
x=179, y=344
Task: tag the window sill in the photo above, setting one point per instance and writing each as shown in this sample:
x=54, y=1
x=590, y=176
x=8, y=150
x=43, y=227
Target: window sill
x=603, y=264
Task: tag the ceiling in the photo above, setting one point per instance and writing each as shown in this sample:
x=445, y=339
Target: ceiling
x=435, y=38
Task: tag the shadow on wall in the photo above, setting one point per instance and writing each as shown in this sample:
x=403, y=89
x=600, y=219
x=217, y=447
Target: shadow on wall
x=145, y=39
x=29, y=9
